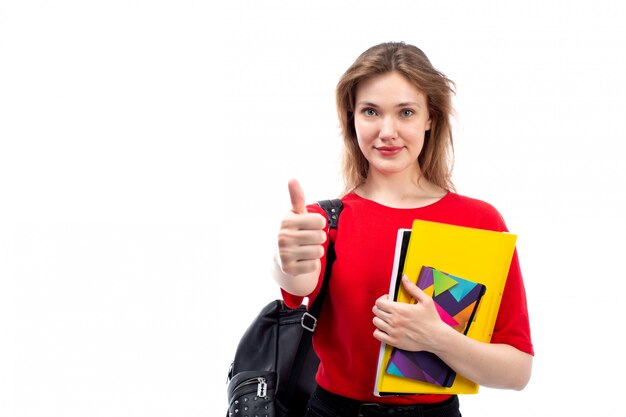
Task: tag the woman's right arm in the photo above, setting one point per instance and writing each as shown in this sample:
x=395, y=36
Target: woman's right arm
x=300, y=246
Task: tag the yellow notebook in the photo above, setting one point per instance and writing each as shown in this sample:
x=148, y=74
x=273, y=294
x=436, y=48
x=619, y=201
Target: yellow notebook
x=477, y=255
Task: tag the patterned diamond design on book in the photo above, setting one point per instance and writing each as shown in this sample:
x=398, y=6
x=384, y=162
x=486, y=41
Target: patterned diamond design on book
x=456, y=300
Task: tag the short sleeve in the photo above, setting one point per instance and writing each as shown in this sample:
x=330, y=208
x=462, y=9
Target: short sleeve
x=512, y=326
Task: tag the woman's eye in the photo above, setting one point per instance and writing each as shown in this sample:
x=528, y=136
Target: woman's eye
x=407, y=113
x=369, y=112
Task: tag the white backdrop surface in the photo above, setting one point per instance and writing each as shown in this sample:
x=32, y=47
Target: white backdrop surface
x=145, y=148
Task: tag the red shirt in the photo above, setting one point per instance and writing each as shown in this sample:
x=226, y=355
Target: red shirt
x=365, y=244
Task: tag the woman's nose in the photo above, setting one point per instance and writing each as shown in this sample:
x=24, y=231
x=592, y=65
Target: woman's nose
x=388, y=128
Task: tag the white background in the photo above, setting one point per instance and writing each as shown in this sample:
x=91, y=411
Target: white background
x=145, y=148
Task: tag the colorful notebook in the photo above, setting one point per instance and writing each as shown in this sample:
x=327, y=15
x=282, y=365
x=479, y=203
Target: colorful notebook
x=475, y=255
x=456, y=300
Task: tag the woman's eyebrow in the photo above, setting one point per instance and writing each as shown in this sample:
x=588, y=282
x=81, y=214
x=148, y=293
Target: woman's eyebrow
x=365, y=103
x=409, y=103
x=403, y=104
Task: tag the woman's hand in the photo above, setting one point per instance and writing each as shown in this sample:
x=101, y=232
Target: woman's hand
x=412, y=327
x=300, y=245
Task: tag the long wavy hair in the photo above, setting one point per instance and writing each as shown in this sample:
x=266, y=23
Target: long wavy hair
x=437, y=156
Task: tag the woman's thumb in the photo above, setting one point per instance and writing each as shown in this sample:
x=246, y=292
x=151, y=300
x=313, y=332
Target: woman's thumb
x=296, y=194
x=413, y=290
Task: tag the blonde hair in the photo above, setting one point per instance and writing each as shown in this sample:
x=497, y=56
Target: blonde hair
x=436, y=158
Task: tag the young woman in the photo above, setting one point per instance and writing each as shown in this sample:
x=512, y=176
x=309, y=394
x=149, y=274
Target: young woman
x=395, y=109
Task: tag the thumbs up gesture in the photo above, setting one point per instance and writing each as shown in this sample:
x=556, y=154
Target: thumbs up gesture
x=300, y=243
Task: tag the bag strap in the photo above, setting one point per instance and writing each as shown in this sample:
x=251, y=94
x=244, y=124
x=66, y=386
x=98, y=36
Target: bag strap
x=333, y=209
x=309, y=319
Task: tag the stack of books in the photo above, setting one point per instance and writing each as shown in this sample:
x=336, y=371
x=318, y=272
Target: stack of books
x=464, y=270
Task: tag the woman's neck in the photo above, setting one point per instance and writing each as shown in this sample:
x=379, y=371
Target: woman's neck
x=399, y=192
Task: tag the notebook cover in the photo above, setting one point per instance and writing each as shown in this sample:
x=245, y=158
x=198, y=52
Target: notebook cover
x=456, y=300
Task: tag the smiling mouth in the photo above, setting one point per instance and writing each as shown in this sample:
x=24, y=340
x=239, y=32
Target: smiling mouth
x=389, y=150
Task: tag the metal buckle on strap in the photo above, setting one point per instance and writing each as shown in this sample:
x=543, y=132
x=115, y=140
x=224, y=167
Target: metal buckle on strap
x=308, y=321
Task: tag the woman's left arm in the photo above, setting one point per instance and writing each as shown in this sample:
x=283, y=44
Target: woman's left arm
x=417, y=327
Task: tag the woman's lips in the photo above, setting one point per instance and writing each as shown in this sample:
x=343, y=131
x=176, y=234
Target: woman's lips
x=389, y=150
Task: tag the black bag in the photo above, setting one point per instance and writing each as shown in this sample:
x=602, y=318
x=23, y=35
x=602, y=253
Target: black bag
x=273, y=372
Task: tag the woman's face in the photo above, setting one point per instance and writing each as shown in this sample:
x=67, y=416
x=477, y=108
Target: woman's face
x=391, y=118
